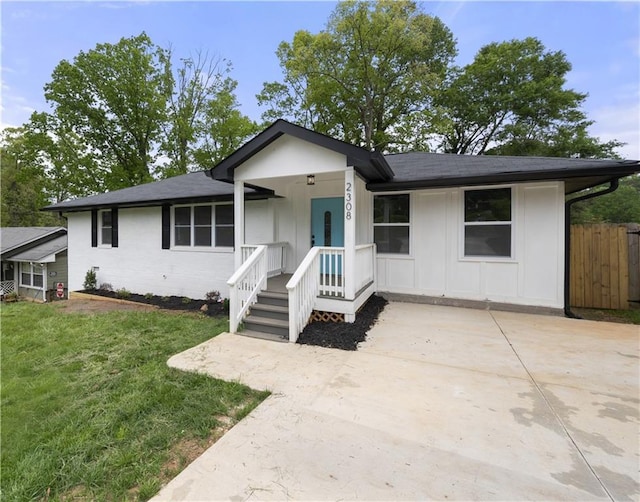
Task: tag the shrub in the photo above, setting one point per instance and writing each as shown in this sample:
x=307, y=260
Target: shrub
x=214, y=296
x=148, y=296
x=11, y=297
x=90, y=280
x=105, y=286
x=123, y=293
x=186, y=300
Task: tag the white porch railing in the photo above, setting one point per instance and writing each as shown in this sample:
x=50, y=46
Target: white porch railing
x=331, y=272
x=365, y=265
x=276, y=256
x=303, y=287
x=245, y=284
x=7, y=287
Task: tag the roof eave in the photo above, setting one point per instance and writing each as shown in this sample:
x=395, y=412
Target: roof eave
x=259, y=195
x=618, y=171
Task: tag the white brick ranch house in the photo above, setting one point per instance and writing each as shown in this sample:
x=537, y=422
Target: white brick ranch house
x=342, y=223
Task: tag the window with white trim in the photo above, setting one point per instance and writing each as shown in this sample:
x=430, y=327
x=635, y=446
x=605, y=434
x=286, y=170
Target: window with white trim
x=106, y=227
x=488, y=223
x=203, y=226
x=391, y=225
x=31, y=275
x=224, y=225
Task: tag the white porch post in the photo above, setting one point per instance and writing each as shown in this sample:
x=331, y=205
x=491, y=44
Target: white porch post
x=349, y=235
x=44, y=282
x=238, y=222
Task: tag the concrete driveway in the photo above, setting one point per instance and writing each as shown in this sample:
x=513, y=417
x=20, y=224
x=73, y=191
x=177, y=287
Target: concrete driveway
x=440, y=403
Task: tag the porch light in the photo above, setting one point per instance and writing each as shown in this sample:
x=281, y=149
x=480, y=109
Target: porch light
x=311, y=179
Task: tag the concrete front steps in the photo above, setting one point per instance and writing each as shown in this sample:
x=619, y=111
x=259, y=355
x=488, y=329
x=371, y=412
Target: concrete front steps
x=269, y=317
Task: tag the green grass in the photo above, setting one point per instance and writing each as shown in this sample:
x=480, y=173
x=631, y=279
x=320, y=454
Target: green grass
x=90, y=410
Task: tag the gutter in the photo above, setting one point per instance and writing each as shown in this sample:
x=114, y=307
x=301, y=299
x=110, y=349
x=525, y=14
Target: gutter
x=613, y=186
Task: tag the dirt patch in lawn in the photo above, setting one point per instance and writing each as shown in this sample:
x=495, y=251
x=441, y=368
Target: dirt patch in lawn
x=104, y=301
x=344, y=335
x=84, y=305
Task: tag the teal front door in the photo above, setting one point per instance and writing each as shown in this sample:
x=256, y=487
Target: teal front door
x=327, y=229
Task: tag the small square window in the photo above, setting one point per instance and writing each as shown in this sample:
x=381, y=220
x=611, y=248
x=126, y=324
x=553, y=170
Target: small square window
x=487, y=223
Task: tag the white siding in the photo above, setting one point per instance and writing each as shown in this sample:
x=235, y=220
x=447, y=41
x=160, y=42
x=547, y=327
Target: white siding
x=436, y=266
x=289, y=156
x=139, y=263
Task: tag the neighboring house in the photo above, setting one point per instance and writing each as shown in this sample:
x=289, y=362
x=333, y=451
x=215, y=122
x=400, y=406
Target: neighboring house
x=34, y=261
x=344, y=221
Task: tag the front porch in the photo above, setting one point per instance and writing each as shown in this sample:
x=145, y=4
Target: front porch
x=267, y=299
x=315, y=222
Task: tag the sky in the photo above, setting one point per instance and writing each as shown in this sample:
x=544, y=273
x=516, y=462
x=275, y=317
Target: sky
x=600, y=39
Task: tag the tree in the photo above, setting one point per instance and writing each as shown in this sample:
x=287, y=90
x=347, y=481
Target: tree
x=223, y=128
x=22, y=183
x=198, y=83
x=114, y=98
x=512, y=100
x=69, y=166
x=621, y=206
x=369, y=78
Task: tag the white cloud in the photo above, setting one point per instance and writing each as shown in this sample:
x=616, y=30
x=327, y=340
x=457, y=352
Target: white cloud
x=619, y=122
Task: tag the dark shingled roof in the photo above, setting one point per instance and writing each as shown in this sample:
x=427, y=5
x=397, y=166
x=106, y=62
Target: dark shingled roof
x=427, y=170
x=402, y=171
x=192, y=187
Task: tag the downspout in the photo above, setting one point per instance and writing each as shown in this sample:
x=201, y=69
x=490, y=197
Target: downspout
x=613, y=186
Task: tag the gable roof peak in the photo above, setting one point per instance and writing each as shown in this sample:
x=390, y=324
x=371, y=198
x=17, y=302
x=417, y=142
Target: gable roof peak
x=371, y=165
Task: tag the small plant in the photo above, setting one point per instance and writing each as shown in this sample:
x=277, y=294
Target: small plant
x=185, y=300
x=148, y=296
x=164, y=299
x=214, y=296
x=105, y=286
x=90, y=280
x=123, y=293
x=11, y=297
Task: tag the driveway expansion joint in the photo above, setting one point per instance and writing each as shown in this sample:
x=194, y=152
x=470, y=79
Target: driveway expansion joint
x=552, y=409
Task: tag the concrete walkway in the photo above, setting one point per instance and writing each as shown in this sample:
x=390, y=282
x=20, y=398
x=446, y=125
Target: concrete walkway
x=440, y=403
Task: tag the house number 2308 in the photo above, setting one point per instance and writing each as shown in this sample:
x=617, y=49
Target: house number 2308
x=348, y=198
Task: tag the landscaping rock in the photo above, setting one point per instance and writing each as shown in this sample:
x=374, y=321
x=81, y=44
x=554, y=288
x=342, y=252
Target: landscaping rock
x=344, y=335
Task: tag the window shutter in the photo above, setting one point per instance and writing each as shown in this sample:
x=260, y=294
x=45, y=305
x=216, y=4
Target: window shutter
x=166, y=226
x=114, y=227
x=94, y=228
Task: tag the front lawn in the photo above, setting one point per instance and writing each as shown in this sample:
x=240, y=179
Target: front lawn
x=90, y=410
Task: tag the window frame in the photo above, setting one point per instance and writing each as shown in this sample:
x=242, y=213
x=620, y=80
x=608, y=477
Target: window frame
x=102, y=227
x=192, y=228
x=32, y=268
x=510, y=223
x=407, y=224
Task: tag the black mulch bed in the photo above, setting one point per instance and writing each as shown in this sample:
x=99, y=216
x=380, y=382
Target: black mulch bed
x=214, y=309
x=344, y=335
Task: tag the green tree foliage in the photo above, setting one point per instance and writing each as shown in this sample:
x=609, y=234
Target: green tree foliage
x=621, y=206
x=223, y=128
x=369, y=78
x=202, y=93
x=22, y=184
x=114, y=97
x=121, y=117
x=512, y=100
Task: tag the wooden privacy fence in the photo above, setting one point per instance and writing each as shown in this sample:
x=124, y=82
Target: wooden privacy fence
x=605, y=266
